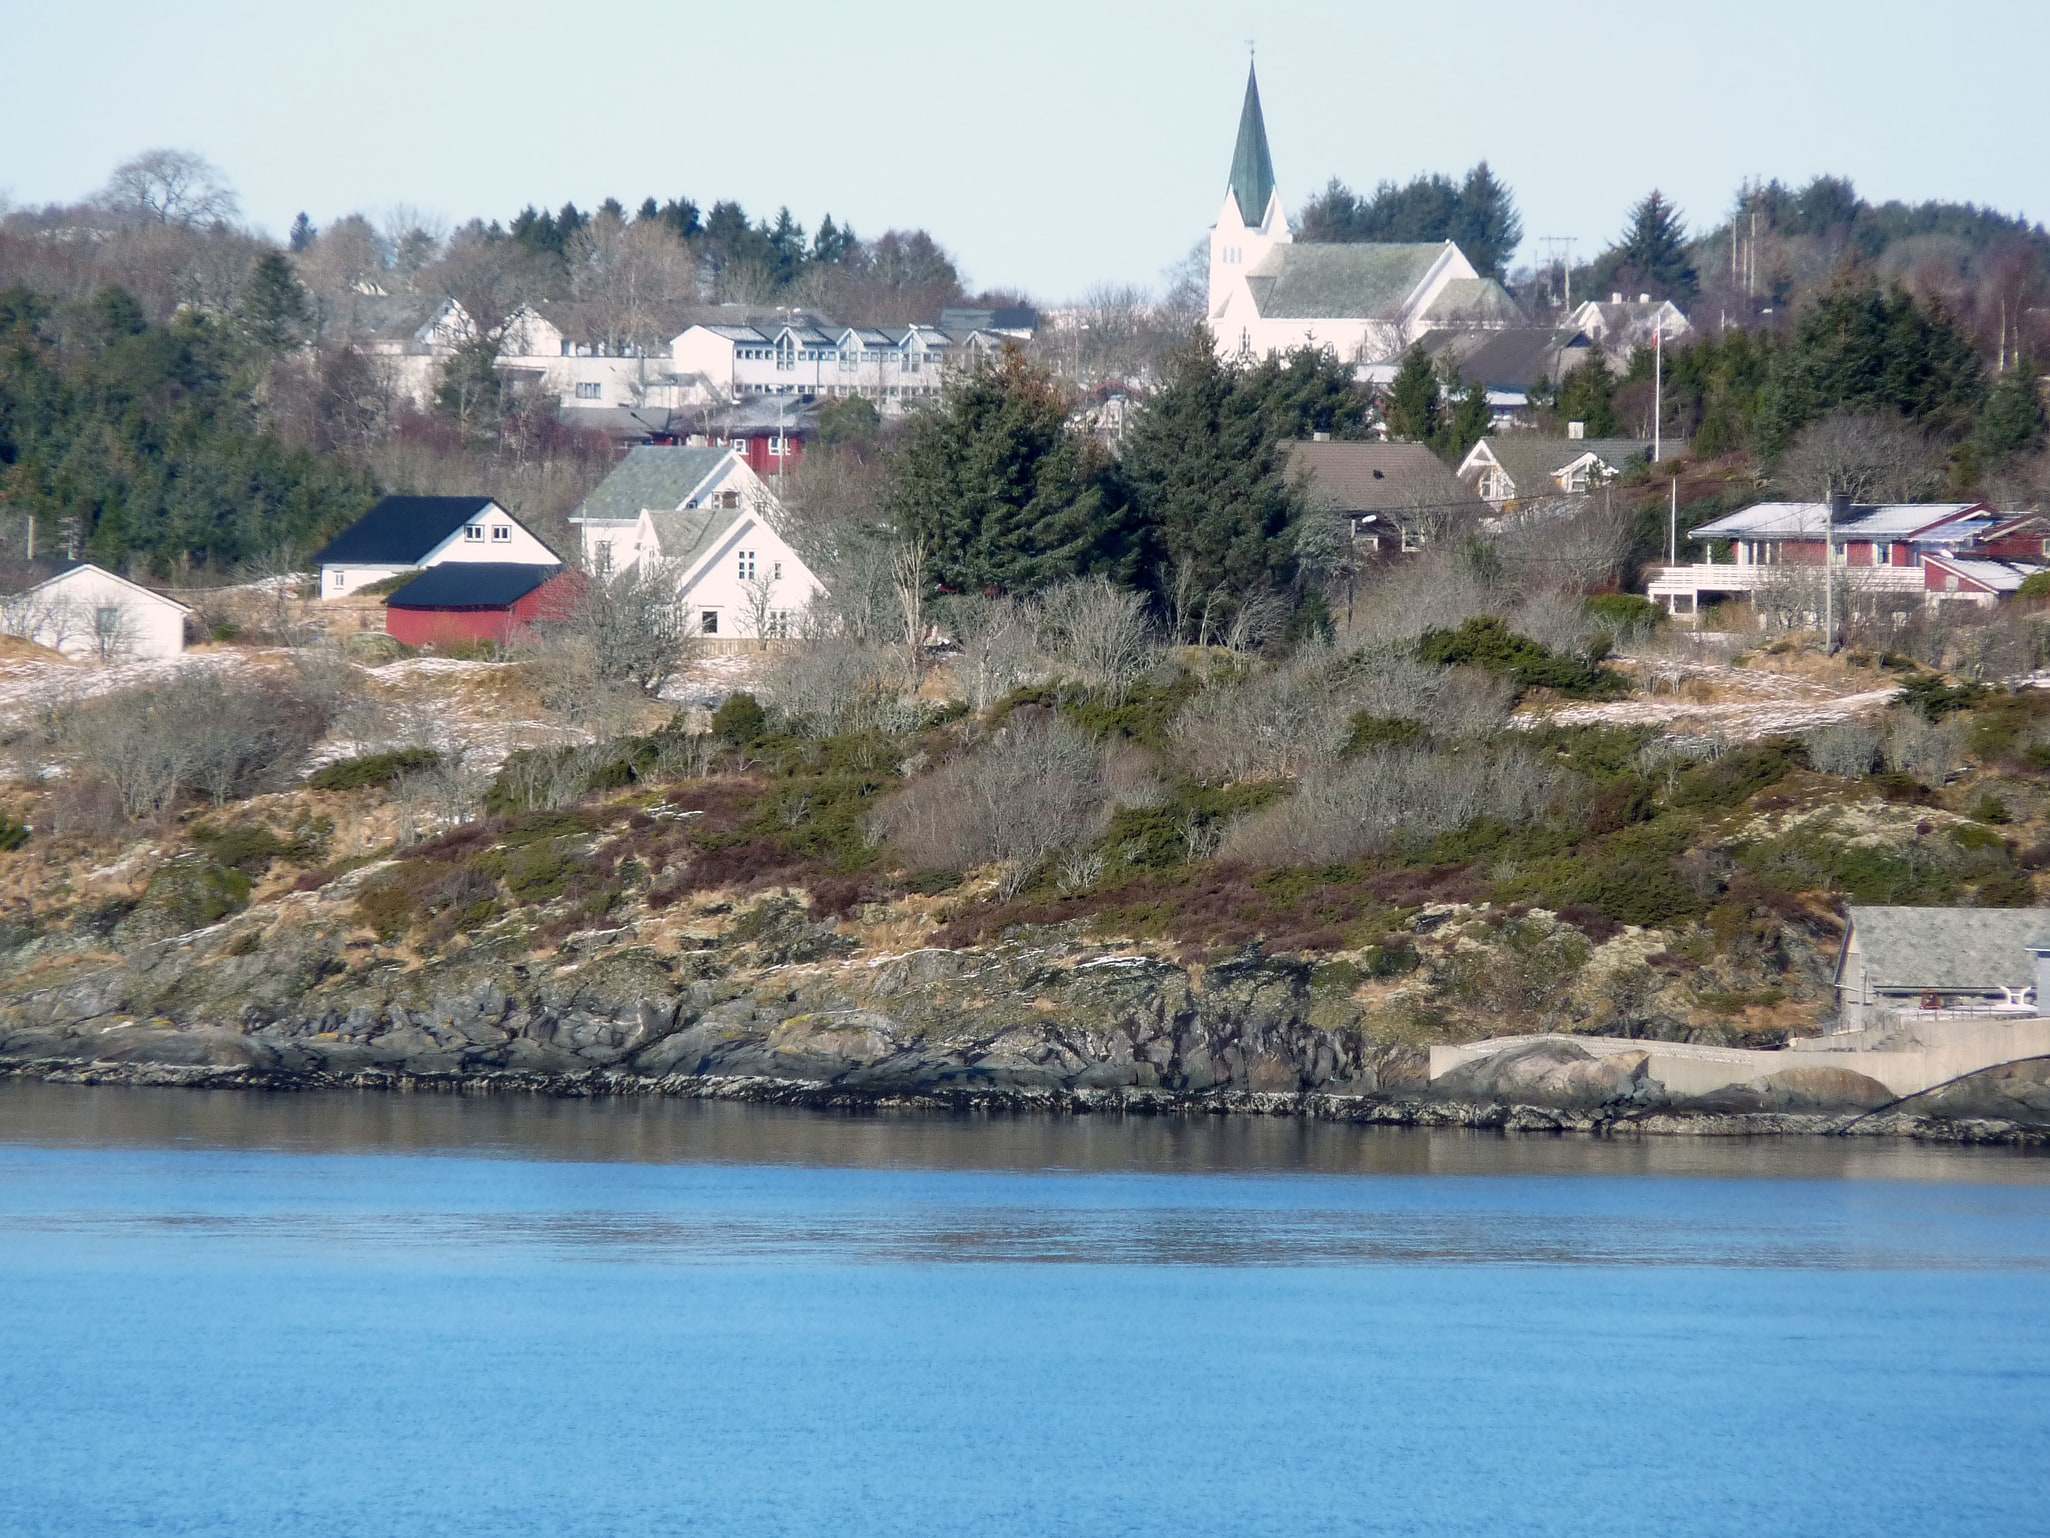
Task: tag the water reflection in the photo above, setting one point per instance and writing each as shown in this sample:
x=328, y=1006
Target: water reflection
x=656, y=1131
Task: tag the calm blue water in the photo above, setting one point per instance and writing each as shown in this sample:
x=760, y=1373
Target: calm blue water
x=362, y=1315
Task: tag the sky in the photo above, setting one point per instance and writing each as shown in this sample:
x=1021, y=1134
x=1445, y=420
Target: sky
x=1051, y=148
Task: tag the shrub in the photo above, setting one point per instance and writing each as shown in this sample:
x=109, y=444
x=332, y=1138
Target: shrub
x=1989, y=808
x=1034, y=787
x=12, y=834
x=1927, y=747
x=373, y=769
x=1848, y=751
x=1486, y=641
x=1734, y=778
x=1390, y=797
x=1625, y=612
x=740, y=720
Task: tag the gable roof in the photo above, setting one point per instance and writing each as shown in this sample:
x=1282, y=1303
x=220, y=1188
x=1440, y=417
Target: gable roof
x=19, y=577
x=1807, y=520
x=1993, y=576
x=1532, y=461
x=1511, y=358
x=472, y=585
x=1394, y=479
x=1252, y=168
x=400, y=531
x=1474, y=300
x=687, y=533
x=1946, y=949
x=651, y=476
x=1315, y=281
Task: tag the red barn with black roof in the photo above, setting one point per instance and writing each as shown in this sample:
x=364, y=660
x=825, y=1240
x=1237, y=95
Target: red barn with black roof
x=467, y=601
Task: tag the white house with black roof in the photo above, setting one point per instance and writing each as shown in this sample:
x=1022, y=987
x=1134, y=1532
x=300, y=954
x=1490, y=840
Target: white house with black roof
x=402, y=534
x=705, y=516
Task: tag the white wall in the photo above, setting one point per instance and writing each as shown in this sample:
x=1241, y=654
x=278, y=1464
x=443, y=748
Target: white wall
x=90, y=613
x=718, y=583
x=341, y=581
x=497, y=537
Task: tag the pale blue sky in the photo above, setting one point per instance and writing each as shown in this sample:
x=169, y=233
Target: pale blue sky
x=1050, y=146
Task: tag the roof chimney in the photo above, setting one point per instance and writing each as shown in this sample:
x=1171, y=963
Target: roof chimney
x=1576, y=429
x=1320, y=437
x=1615, y=298
x=1644, y=299
x=1839, y=506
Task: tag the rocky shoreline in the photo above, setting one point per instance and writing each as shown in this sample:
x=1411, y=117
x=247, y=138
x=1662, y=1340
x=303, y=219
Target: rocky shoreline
x=1374, y=1110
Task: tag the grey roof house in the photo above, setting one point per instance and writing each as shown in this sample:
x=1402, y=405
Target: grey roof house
x=1395, y=495
x=1513, y=470
x=1938, y=963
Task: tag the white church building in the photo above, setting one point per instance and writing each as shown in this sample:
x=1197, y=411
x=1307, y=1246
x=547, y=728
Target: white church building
x=1363, y=302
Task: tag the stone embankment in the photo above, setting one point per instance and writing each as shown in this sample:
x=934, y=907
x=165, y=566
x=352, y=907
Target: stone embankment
x=789, y=1018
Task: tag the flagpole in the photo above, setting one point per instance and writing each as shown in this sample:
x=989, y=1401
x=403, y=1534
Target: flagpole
x=1658, y=390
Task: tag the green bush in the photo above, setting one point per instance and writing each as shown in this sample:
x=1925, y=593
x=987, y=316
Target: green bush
x=372, y=769
x=1486, y=641
x=1736, y=777
x=1383, y=732
x=12, y=834
x=1625, y=611
x=740, y=720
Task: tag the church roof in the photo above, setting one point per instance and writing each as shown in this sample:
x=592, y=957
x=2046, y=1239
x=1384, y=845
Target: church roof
x=1252, y=168
x=1338, y=282
x=1475, y=301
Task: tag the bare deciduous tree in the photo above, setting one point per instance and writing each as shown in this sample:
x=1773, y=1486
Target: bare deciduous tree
x=166, y=186
x=1869, y=456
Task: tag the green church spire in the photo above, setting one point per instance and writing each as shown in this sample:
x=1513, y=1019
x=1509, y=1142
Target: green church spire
x=1252, y=168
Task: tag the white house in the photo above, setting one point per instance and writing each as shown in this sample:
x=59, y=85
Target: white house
x=805, y=356
x=1515, y=470
x=86, y=611
x=1363, y=302
x=703, y=514
x=1623, y=324
x=402, y=534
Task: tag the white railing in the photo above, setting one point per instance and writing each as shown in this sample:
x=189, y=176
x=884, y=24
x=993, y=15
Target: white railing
x=1717, y=576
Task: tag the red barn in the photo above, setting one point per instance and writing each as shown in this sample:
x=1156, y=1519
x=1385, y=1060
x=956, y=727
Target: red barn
x=466, y=601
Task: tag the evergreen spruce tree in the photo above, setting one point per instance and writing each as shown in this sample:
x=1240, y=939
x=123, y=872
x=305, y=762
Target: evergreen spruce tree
x=1469, y=422
x=1004, y=496
x=302, y=232
x=1652, y=256
x=1859, y=345
x=1203, y=466
x=1588, y=394
x=1486, y=225
x=2013, y=421
x=273, y=310
x=1413, y=398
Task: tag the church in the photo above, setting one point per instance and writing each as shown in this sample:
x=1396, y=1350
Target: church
x=1364, y=303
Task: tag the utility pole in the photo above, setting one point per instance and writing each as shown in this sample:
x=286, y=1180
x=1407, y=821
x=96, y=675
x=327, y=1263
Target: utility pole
x=1673, y=527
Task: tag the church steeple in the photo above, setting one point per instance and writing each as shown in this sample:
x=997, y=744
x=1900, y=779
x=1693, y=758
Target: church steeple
x=1252, y=168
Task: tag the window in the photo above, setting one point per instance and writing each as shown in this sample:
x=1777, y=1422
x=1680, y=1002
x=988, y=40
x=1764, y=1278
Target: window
x=729, y=499
x=107, y=620
x=340, y=580
x=1882, y=555
x=708, y=622
x=776, y=572
x=501, y=533
x=473, y=533
x=587, y=391
x=747, y=566
x=777, y=624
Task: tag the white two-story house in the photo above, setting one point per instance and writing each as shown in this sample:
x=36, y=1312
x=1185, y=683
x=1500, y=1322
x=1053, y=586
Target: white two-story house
x=705, y=516
x=402, y=534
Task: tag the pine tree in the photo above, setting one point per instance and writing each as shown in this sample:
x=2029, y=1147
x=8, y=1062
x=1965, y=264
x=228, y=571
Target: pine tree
x=1486, y=225
x=1859, y=345
x=1005, y=498
x=1413, y=398
x=2013, y=420
x=1652, y=256
x=1471, y=418
x=273, y=310
x=302, y=233
x=1588, y=395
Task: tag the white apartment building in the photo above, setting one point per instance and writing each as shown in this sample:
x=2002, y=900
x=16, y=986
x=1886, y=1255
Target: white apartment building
x=804, y=356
